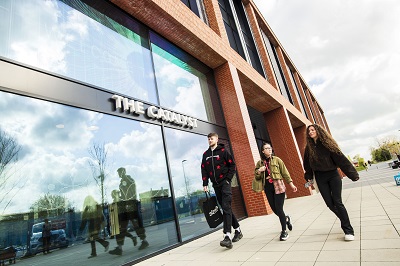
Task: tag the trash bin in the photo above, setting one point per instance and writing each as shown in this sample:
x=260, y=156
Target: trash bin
x=397, y=179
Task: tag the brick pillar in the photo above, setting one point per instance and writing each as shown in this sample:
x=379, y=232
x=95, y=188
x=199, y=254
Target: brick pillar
x=312, y=107
x=241, y=134
x=285, y=147
x=215, y=19
x=302, y=95
x=269, y=71
x=286, y=73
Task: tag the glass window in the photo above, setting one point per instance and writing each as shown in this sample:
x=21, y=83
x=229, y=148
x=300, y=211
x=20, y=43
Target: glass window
x=296, y=91
x=277, y=68
x=252, y=52
x=185, y=151
x=84, y=45
x=92, y=175
x=230, y=27
x=183, y=84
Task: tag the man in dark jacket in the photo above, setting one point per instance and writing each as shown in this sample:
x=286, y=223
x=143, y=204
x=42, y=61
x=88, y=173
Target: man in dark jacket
x=218, y=166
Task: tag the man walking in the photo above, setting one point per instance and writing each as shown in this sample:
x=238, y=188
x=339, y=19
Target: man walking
x=129, y=211
x=218, y=166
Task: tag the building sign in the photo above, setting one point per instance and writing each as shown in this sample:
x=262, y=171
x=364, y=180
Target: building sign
x=153, y=112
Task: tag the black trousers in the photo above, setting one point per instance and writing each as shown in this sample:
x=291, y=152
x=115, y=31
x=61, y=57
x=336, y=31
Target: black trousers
x=276, y=202
x=129, y=212
x=224, y=197
x=330, y=186
x=93, y=240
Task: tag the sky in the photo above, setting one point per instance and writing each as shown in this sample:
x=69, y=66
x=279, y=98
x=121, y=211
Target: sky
x=348, y=52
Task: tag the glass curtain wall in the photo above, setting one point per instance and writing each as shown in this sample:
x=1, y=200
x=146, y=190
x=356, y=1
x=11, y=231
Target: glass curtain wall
x=83, y=171
x=277, y=67
x=78, y=42
x=65, y=160
x=296, y=90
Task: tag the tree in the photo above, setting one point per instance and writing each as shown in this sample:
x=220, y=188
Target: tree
x=9, y=149
x=51, y=205
x=98, y=164
x=380, y=154
x=387, y=148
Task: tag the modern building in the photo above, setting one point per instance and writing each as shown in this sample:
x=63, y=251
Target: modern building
x=91, y=86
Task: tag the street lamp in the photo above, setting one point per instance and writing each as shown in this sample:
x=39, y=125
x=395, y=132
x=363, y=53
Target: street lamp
x=187, y=186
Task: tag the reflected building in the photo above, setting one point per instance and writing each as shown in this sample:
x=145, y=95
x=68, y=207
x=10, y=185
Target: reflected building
x=87, y=87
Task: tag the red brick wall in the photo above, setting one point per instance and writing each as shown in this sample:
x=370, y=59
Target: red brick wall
x=285, y=147
x=241, y=134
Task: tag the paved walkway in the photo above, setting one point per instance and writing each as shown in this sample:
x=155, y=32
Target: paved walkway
x=373, y=204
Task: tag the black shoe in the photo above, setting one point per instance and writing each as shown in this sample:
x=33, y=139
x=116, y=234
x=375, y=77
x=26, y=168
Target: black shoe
x=92, y=256
x=226, y=242
x=116, y=251
x=134, y=240
x=144, y=245
x=284, y=236
x=107, y=246
x=288, y=224
x=237, y=237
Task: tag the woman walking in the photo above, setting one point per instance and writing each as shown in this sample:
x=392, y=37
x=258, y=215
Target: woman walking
x=93, y=217
x=271, y=170
x=322, y=157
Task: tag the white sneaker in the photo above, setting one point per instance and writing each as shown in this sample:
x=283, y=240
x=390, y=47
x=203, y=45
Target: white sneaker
x=348, y=237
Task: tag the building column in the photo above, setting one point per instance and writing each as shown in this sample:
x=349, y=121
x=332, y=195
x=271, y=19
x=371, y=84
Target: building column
x=286, y=147
x=286, y=73
x=302, y=95
x=262, y=50
x=241, y=135
x=215, y=20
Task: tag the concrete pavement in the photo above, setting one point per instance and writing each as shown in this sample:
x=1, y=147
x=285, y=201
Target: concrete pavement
x=373, y=204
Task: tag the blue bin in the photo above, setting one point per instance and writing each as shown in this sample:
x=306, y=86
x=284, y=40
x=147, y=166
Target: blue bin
x=397, y=179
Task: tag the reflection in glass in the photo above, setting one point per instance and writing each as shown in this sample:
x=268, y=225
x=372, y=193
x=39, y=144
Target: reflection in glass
x=185, y=151
x=61, y=155
x=84, y=45
x=181, y=86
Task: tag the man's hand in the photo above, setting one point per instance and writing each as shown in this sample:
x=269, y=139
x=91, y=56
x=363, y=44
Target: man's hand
x=205, y=188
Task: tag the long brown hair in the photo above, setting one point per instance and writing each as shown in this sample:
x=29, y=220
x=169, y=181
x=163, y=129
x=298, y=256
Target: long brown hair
x=324, y=137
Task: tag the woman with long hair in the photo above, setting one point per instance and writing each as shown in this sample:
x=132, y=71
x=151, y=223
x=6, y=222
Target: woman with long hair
x=271, y=170
x=93, y=217
x=322, y=157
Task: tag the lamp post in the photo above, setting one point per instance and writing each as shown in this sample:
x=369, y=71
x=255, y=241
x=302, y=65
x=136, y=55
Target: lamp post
x=187, y=186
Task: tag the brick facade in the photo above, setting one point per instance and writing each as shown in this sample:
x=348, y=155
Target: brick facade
x=239, y=86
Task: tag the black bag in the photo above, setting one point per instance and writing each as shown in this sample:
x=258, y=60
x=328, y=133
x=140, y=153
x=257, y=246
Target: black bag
x=211, y=211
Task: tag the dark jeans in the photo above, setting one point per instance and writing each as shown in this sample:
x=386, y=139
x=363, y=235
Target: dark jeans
x=129, y=211
x=46, y=244
x=93, y=240
x=224, y=197
x=276, y=202
x=330, y=186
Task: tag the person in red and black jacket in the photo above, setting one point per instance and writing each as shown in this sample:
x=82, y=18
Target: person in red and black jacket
x=218, y=166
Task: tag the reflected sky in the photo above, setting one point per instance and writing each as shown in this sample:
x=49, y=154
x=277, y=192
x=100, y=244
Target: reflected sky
x=54, y=155
x=53, y=36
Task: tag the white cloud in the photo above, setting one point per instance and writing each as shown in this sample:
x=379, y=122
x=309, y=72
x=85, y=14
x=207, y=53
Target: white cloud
x=347, y=51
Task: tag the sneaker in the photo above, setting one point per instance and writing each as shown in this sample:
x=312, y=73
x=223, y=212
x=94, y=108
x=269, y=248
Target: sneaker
x=107, y=246
x=144, y=244
x=92, y=256
x=226, y=242
x=116, y=251
x=348, y=237
x=237, y=237
x=284, y=236
x=134, y=240
x=288, y=224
